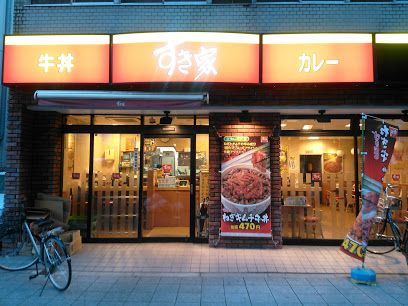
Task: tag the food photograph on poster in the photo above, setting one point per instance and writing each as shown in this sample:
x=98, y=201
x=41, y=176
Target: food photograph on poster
x=332, y=163
x=245, y=187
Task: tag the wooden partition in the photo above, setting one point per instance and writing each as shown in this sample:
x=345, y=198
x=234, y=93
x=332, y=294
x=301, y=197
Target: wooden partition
x=115, y=206
x=330, y=204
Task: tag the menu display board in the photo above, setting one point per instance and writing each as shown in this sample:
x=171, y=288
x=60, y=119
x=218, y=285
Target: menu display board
x=245, y=187
x=185, y=57
x=56, y=59
x=315, y=58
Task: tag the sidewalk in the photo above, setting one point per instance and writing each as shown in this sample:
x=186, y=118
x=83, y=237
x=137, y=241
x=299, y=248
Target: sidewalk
x=163, y=274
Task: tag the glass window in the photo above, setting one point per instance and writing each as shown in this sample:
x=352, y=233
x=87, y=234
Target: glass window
x=202, y=185
x=117, y=120
x=314, y=125
x=77, y=120
x=318, y=172
x=75, y=178
x=402, y=125
x=202, y=120
x=175, y=120
x=115, y=203
x=397, y=174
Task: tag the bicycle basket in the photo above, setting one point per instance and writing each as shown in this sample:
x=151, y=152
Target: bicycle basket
x=393, y=202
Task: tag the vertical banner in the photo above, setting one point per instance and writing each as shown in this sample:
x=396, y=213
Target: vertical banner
x=245, y=187
x=378, y=145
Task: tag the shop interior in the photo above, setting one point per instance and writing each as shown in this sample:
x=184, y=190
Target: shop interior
x=166, y=181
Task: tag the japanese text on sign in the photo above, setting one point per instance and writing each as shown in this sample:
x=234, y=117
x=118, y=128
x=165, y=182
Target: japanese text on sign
x=169, y=58
x=245, y=218
x=310, y=63
x=64, y=63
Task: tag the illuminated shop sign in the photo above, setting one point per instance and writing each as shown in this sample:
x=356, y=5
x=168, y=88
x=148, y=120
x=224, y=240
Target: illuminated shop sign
x=314, y=58
x=56, y=59
x=392, y=59
x=185, y=57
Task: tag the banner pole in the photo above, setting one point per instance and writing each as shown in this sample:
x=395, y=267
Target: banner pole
x=363, y=117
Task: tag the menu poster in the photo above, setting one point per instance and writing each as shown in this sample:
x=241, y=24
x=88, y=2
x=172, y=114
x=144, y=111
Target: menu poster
x=332, y=163
x=379, y=140
x=245, y=187
x=283, y=159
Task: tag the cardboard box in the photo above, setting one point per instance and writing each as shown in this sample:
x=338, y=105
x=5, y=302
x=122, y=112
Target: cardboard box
x=72, y=241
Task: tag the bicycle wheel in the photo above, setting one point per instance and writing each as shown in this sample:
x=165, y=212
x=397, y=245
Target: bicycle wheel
x=57, y=263
x=16, y=250
x=383, y=232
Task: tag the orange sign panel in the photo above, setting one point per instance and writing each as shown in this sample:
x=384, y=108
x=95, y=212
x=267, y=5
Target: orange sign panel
x=185, y=57
x=315, y=58
x=56, y=59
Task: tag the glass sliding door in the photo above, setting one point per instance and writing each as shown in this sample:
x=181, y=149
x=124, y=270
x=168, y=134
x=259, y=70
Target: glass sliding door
x=166, y=187
x=115, y=198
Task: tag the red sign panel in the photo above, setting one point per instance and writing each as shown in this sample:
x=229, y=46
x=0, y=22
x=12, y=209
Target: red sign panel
x=56, y=59
x=185, y=57
x=315, y=58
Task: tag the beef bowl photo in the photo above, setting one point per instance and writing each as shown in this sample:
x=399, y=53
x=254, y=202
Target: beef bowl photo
x=245, y=189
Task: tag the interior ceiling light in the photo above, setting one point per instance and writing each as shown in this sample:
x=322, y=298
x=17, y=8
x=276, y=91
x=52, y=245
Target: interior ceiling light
x=283, y=125
x=166, y=119
x=307, y=127
x=245, y=116
x=347, y=125
x=313, y=137
x=322, y=117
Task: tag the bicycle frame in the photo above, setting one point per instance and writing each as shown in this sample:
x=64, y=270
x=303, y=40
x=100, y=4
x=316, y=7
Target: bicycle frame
x=394, y=228
x=38, y=251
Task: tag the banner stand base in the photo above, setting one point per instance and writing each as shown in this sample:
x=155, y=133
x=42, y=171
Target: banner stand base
x=363, y=276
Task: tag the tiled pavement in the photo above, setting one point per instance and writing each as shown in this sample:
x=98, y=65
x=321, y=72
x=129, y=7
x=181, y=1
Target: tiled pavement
x=185, y=257
x=103, y=275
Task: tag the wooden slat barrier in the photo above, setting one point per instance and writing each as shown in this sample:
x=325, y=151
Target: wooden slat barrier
x=116, y=206
x=332, y=200
x=79, y=199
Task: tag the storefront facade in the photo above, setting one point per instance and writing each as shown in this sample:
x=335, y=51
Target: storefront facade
x=135, y=173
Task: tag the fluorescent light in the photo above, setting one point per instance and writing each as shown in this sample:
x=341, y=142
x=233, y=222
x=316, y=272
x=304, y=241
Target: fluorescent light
x=307, y=127
x=30, y=40
x=401, y=38
x=328, y=38
x=186, y=36
x=313, y=137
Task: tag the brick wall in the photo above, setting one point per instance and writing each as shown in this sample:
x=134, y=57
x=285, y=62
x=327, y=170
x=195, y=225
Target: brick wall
x=227, y=125
x=258, y=18
x=33, y=153
x=18, y=155
x=47, y=153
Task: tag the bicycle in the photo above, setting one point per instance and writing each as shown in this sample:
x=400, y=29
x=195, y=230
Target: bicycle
x=384, y=224
x=21, y=248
